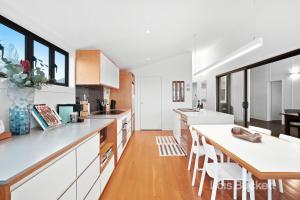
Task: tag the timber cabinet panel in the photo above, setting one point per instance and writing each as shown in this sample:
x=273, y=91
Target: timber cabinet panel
x=88, y=67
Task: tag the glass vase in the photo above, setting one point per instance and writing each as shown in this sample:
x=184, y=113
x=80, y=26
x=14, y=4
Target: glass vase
x=20, y=109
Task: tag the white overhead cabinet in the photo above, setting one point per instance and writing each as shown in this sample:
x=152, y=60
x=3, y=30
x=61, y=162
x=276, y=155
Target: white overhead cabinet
x=94, y=68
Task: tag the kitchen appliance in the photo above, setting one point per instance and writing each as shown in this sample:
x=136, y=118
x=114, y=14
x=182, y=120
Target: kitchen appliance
x=64, y=111
x=111, y=112
x=184, y=133
x=124, y=132
x=113, y=104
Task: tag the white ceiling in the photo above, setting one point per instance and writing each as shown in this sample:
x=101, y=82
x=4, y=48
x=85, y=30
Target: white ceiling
x=118, y=28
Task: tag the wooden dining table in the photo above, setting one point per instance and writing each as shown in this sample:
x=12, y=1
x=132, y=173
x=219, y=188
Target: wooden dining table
x=273, y=158
x=288, y=118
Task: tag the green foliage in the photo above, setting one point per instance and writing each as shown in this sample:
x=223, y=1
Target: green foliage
x=34, y=78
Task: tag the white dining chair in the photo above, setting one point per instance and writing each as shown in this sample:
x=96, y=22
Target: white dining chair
x=198, y=150
x=270, y=182
x=221, y=172
x=289, y=138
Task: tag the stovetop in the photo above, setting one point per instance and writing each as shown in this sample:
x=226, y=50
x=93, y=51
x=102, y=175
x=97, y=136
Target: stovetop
x=111, y=112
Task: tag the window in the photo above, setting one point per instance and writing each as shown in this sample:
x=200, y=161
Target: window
x=59, y=65
x=178, y=91
x=12, y=45
x=41, y=57
x=17, y=43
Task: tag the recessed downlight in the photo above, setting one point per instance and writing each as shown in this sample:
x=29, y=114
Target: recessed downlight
x=148, y=31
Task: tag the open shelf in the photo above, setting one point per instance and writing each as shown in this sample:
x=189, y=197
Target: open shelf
x=105, y=147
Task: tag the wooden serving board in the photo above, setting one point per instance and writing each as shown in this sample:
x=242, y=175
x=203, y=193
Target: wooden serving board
x=5, y=135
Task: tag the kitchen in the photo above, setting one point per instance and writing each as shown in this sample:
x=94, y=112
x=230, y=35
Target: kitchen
x=128, y=100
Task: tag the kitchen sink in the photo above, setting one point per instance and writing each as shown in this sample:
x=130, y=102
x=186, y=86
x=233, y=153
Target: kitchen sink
x=186, y=110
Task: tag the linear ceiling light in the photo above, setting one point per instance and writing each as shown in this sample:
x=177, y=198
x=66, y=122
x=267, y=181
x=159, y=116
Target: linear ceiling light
x=256, y=43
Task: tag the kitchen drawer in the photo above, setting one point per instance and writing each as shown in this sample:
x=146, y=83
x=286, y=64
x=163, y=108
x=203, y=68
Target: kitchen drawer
x=86, y=153
x=51, y=182
x=129, y=135
x=70, y=194
x=94, y=194
x=105, y=175
x=119, y=125
x=87, y=179
x=119, y=121
x=120, y=151
x=119, y=138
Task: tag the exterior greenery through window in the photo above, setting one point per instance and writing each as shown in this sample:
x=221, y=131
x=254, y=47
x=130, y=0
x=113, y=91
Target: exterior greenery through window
x=17, y=43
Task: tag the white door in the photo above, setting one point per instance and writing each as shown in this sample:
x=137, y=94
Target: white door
x=151, y=103
x=276, y=100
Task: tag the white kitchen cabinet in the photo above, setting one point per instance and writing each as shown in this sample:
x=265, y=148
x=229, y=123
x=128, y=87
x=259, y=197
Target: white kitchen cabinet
x=87, y=179
x=94, y=194
x=70, y=194
x=51, y=182
x=94, y=68
x=106, y=173
x=109, y=73
x=87, y=152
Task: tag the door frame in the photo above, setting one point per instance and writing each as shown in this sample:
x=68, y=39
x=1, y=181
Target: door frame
x=283, y=56
x=140, y=97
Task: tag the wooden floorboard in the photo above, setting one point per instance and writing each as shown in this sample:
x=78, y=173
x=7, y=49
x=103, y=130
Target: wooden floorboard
x=143, y=175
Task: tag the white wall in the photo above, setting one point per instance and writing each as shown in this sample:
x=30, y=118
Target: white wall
x=51, y=95
x=277, y=22
x=172, y=69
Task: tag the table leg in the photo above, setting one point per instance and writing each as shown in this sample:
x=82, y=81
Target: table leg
x=287, y=125
x=244, y=184
x=270, y=189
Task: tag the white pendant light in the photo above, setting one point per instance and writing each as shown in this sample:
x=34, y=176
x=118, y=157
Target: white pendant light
x=254, y=44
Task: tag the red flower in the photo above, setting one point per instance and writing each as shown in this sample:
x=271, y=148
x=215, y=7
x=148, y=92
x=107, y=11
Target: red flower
x=26, y=65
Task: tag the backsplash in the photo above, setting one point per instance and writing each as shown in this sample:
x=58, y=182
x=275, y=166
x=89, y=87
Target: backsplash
x=93, y=93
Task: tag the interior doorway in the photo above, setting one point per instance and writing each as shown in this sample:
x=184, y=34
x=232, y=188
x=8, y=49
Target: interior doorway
x=276, y=100
x=151, y=105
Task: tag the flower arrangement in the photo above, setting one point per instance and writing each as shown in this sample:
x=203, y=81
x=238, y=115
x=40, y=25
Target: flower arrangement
x=23, y=75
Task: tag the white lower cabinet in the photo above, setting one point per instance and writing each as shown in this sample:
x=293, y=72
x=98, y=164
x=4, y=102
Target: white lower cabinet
x=70, y=194
x=105, y=175
x=87, y=179
x=94, y=194
x=86, y=152
x=51, y=182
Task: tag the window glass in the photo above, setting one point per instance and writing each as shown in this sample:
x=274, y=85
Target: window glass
x=60, y=66
x=12, y=45
x=41, y=57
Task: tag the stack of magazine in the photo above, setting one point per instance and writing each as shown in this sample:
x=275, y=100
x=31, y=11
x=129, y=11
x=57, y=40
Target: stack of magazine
x=106, y=155
x=45, y=116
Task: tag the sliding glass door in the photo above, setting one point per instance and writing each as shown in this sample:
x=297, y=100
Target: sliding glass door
x=232, y=95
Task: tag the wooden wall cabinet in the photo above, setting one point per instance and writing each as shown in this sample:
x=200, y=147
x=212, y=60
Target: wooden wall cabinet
x=94, y=68
x=125, y=95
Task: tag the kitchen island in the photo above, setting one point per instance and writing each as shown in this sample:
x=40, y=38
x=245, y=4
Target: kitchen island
x=183, y=118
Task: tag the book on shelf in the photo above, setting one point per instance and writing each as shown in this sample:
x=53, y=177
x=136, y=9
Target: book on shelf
x=106, y=155
x=45, y=116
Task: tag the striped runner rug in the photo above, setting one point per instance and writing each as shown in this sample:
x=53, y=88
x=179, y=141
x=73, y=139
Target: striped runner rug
x=167, y=146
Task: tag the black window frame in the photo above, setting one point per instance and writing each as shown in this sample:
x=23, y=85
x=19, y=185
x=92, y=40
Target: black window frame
x=29, y=39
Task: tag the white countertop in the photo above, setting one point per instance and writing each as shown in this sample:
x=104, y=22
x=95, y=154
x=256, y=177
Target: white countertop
x=22, y=152
x=205, y=116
